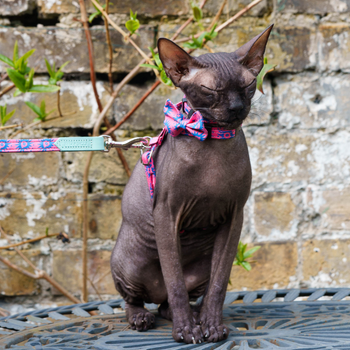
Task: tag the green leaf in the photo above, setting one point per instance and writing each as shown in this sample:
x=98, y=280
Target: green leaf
x=196, y=43
x=52, y=81
x=29, y=81
x=132, y=25
x=39, y=119
x=149, y=66
x=246, y=265
x=28, y=54
x=47, y=231
x=260, y=78
x=240, y=252
x=7, y=60
x=213, y=32
x=61, y=68
x=197, y=12
x=250, y=252
x=35, y=109
x=49, y=69
x=133, y=16
x=244, y=247
x=165, y=79
x=15, y=53
x=17, y=92
x=156, y=58
x=191, y=45
x=21, y=64
x=44, y=88
x=17, y=78
x=7, y=117
x=94, y=15
x=2, y=111
x=43, y=107
x=59, y=76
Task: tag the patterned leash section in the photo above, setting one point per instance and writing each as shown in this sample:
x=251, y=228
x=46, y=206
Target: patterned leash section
x=63, y=144
x=71, y=144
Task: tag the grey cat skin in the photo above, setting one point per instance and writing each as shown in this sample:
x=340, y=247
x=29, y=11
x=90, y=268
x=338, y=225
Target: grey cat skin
x=199, y=185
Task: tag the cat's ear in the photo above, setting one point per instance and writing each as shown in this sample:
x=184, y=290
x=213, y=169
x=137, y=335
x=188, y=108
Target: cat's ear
x=251, y=54
x=177, y=63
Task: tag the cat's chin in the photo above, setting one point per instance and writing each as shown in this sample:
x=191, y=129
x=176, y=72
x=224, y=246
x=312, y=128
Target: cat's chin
x=229, y=125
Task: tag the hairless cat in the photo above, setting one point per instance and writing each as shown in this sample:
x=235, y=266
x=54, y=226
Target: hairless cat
x=178, y=242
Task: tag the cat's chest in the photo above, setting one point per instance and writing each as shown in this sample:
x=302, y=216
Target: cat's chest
x=210, y=173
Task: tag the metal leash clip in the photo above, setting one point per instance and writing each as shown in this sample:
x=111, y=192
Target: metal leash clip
x=137, y=142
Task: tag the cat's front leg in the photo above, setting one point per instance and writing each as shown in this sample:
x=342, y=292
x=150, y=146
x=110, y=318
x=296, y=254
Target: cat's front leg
x=225, y=246
x=185, y=328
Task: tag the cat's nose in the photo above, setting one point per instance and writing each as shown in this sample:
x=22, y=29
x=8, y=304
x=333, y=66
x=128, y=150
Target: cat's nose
x=236, y=107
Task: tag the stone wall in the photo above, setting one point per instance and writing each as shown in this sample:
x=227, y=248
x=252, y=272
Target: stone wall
x=298, y=136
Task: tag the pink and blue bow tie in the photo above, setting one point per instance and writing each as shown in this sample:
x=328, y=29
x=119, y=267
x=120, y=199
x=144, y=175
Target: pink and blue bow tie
x=176, y=122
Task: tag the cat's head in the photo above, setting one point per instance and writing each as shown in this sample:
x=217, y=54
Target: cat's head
x=219, y=85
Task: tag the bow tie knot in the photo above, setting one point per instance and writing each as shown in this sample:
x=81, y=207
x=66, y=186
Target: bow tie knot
x=176, y=123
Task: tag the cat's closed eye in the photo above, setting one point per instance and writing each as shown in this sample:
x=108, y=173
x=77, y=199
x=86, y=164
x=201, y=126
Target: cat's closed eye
x=207, y=88
x=250, y=88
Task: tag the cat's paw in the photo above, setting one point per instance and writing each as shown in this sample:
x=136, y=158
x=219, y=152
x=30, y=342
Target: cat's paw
x=189, y=334
x=213, y=329
x=140, y=319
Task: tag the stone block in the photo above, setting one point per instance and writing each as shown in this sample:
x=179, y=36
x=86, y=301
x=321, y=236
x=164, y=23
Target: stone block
x=105, y=167
x=16, y=7
x=69, y=44
x=145, y=8
x=313, y=6
x=262, y=106
x=331, y=206
x=312, y=101
x=233, y=6
x=30, y=169
x=325, y=263
x=150, y=114
x=77, y=101
x=292, y=48
x=275, y=216
x=281, y=158
x=13, y=283
x=275, y=267
x=105, y=216
x=36, y=211
x=334, y=46
x=67, y=270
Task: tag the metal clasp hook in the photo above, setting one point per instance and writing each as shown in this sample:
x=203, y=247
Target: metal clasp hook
x=136, y=142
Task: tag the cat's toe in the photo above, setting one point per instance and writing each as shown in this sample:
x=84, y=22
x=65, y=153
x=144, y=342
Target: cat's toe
x=213, y=334
x=142, y=321
x=188, y=334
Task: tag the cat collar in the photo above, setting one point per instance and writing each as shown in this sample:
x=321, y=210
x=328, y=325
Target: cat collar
x=180, y=119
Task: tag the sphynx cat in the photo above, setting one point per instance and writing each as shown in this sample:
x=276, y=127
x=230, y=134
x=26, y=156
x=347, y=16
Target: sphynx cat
x=181, y=244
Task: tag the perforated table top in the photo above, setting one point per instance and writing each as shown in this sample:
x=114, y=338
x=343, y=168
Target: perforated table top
x=269, y=320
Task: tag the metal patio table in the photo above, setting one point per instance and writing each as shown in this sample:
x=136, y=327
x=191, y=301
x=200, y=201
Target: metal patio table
x=303, y=319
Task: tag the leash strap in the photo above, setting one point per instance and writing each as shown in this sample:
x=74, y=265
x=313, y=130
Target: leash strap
x=73, y=144
x=62, y=144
